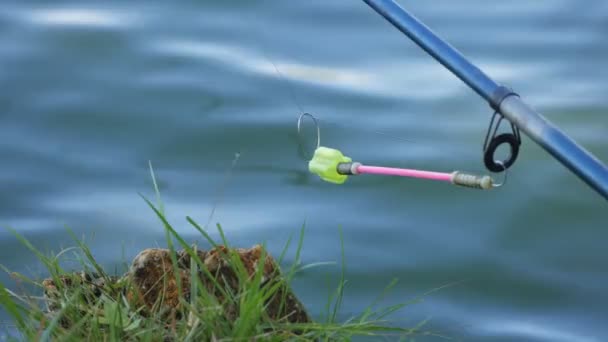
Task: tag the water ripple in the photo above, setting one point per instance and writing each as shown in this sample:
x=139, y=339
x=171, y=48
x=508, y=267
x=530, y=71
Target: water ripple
x=530, y=330
x=81, y=17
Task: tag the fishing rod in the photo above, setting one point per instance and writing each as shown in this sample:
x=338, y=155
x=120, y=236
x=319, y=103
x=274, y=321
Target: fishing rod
x=506, y=103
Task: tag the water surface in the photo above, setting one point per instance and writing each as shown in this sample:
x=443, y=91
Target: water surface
x=92, y=91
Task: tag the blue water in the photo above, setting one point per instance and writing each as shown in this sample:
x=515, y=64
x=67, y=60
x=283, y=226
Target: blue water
x=92, y=91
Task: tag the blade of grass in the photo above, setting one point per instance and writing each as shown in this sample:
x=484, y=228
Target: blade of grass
x=159, y=202
x=342, y=284
x=52, y=267
x=288, y=278
x=285, y=248
x=202, y=231
x=11, y=307
x=223, y=185
x=368, y=311
x=87, y=252
x=184, y=245
x=161, y=212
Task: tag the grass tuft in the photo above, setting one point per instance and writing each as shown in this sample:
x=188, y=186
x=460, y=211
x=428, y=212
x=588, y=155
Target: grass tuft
x=86, y=307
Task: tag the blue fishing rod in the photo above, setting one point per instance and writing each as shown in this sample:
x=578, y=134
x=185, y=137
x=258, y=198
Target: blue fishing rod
x=506, y=104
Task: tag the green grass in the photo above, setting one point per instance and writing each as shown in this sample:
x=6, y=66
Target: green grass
x=111, y=317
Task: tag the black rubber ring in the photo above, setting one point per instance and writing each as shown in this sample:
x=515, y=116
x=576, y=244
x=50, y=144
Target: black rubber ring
x=488, y=156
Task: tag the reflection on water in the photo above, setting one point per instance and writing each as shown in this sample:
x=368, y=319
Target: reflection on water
x=78, y=17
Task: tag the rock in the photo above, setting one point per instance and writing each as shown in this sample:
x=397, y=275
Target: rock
x=151, y=284
x=153, y=279
x=89, y=284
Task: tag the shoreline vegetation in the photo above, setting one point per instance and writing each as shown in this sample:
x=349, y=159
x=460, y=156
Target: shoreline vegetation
x=185, y=294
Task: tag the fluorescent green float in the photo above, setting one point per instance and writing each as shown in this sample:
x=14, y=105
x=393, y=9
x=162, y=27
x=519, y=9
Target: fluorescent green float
x=324, y=163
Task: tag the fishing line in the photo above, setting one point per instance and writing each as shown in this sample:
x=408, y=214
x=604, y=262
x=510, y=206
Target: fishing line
x=334, y=167
x=300, y=107
x=221, y=189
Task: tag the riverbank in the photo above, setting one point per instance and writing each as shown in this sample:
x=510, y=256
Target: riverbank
x=183, y=293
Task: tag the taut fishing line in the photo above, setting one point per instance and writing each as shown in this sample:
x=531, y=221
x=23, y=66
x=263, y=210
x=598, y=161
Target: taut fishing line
x=333, y=166
x=294, y=98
